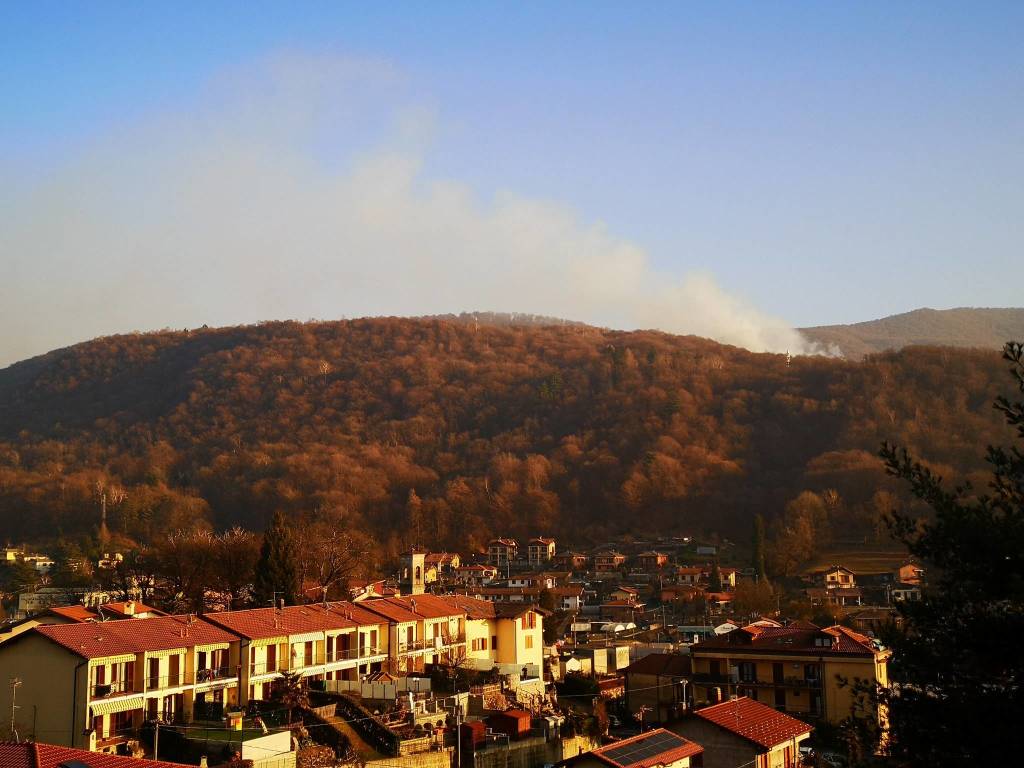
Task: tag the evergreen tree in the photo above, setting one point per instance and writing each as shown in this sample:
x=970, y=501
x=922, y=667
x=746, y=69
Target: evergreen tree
x=277, y=571
x=715, y=579
x=958, y=664
x=758, y=558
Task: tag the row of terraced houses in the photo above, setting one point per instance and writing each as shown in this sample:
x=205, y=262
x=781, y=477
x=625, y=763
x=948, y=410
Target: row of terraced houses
x=92, y=684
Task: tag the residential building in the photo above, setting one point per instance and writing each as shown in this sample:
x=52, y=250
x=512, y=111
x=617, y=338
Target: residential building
x=656, y=747
x=605, y=562
x=690, y=575
x=540, y=551
x=91, y=685
x=905, y=592
x=793, y=669
x=333, y=641
x=476, y=574
x=501, y=552
x=658, y=684
x=743, y=732
x=439, y=565
x=423, y=630
x=625, y=594
x=652, y=561
x=508, y=636
x=573, y=561
x=838, y=576
x=568, y=598
x=78, y=614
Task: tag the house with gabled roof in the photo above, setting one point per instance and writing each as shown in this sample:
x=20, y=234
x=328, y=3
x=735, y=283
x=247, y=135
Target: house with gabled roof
x=31, y=754
x=91, y=685
x=744, y=732
x=795, y=668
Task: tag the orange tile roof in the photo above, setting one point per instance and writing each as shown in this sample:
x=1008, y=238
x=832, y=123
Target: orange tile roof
x=472, y=606
x=73, y=612
x=113, y=638
x=32, y=755
x=412, y=607
x=257, y=623
x=797, y=637
x=754, y=721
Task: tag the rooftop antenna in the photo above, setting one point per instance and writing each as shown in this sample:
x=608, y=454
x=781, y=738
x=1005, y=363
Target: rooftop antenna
x=15, y=684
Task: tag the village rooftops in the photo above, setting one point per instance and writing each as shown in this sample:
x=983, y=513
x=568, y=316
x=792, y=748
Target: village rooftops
x=33, y=755
x=754, y=722
x=800, y=639
x=114, y=638
x=653, y=748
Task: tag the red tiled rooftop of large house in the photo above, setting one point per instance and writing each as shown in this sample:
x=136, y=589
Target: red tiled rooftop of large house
x=33, y=755
x=754, y=721
x=411, y=607
x=113, y=638
x=795, y=638
x=72, y=612
x=636, y=751
x=257, y=623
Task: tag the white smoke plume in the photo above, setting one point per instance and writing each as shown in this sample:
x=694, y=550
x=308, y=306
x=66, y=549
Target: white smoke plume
x=240, y=208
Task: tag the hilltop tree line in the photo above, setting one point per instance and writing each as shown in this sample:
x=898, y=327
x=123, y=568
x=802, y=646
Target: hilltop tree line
x=450, y=433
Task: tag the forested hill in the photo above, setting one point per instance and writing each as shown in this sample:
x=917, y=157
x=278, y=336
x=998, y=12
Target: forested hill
x=469, y=430
x=963, y=327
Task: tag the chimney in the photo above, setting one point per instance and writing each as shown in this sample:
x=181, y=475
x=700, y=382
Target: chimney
x=202, y=762
x=129, y=608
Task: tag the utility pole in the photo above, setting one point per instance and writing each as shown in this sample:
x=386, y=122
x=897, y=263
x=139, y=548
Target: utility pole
x=15, y=683
x=156, y=739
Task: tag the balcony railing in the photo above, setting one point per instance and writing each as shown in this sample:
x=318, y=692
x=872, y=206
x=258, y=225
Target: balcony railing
x=156, y=682
x=265, y=668
x=102, y=690
x=343, y=654
x=212, y=674
x=408, y=646
x=705, y=678
x=116, y=737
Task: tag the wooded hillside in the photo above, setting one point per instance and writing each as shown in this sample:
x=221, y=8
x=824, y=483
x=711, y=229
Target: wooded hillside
x=464, y=432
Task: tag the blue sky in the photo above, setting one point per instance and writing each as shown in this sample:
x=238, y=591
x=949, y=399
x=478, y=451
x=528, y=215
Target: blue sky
x=823, y=162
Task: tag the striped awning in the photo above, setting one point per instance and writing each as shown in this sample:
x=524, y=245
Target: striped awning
x=167, y=652
x=119, y=704
x=260, y=642
x=123, y=658
x=212, y=647
x=305, y=637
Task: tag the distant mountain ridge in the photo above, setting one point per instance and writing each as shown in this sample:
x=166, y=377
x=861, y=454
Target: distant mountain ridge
x=981, y=328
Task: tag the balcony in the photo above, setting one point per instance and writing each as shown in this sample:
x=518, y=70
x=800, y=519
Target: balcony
x=414, y=646
x=159, y=682
x=342, y=654
x=213, y=674
x=116, y=738
x=116, y=688
x=367, y=651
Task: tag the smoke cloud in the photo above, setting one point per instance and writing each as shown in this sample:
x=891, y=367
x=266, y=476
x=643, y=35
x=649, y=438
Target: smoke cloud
x=296, y=189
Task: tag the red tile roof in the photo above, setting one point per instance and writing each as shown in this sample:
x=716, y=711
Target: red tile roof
x=798, y=637
x=617, y=754
x=31, y=755
x=112, y=638
x=77, y=613
x=411, y=608
x=473, y=607
x=754, y=721
x=259, y=623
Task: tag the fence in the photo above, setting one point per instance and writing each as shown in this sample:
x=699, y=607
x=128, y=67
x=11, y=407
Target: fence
x=379, y=691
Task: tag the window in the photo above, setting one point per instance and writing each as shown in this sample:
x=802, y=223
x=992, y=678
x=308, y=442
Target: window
x=480, y=644
x=529, y=642
x=271, y=665
x=780, y=698
x=748, y=671
x=494, y=642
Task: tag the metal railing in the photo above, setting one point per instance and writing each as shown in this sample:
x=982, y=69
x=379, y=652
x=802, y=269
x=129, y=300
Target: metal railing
x=115, y=688
x=156, y=682
x=212, y=674
x=342, y=654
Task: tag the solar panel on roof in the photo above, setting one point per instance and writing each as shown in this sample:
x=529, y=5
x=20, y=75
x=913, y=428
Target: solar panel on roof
x=645, y=748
